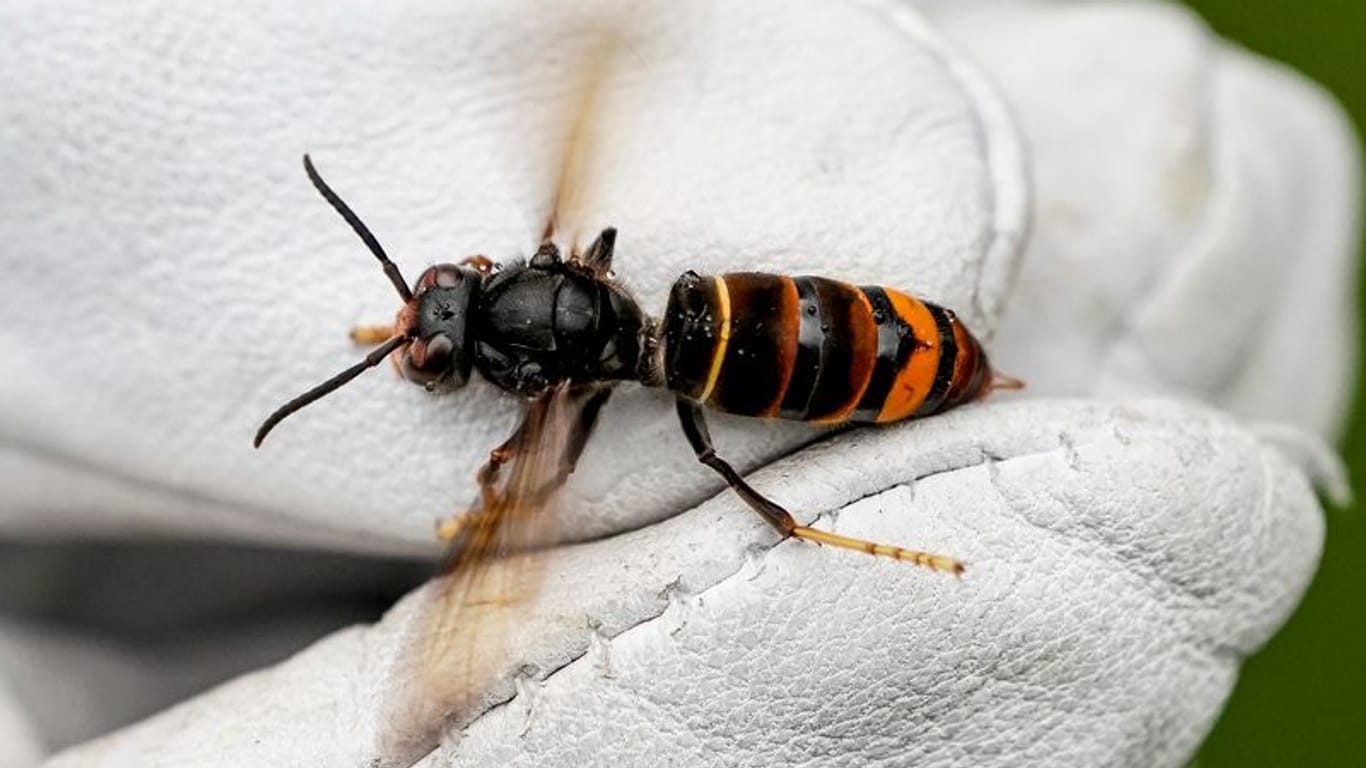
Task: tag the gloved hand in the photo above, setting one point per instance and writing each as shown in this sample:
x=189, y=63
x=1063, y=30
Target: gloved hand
x=1124, y=553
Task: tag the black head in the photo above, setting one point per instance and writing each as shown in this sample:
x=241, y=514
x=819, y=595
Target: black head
x=437, y=320
x=432, y=329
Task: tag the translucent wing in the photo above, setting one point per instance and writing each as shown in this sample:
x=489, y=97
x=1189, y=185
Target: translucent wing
x=575, y=178
x=461, y=639
x=460, y=643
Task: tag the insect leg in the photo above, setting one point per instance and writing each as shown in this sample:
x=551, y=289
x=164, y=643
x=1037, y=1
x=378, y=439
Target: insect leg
x=582, y=428
x=449, y=528
x=481, y=264
x=366, y=335
x=584, y=405
x=695, y=427
x=598, y=258
x=588, y=402
x=487, y=476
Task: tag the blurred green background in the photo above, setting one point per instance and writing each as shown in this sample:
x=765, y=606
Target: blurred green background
x=1301, y=700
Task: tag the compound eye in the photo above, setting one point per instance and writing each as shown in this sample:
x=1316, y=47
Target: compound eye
x=440, y=276
x=431, y=356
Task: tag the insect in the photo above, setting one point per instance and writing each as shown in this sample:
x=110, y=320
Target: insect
x=561, y=333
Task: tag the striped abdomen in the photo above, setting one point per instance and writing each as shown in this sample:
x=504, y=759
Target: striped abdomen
x=814, y=349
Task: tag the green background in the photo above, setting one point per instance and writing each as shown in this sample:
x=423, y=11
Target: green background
x=1300, y=701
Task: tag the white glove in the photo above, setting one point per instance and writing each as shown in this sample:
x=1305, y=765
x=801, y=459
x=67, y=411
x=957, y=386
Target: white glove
x=174, y=278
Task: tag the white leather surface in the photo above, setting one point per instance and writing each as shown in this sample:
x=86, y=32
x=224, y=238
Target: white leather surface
x=1122, y=559
x=1193, y=227
x=170, y=277
x=155, y=200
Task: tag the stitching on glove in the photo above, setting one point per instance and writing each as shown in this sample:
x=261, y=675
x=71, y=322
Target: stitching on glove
x=1003, y=158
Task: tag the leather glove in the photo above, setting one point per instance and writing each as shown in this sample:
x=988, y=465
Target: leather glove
x=1124, y=553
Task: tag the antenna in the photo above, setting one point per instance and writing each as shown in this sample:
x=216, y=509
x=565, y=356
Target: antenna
x=371, y=360
x=390, y=268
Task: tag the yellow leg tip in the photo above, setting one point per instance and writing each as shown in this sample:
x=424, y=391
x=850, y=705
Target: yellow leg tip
x=448, y=529
x=371, y=334
x=913, y=556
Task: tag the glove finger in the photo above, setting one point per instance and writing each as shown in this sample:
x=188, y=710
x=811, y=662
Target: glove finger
x=225, y=286
x=1122, y=559
x=1195, y=216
